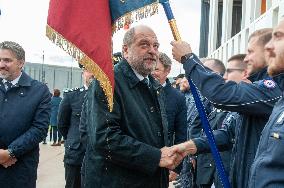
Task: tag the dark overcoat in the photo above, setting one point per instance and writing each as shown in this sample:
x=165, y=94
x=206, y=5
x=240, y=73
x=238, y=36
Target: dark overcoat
x=55, y=102
x=124, y=145
x=24, y=119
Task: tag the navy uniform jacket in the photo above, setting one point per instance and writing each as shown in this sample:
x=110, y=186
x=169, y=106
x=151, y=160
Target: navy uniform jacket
x=253, y=101
x=123, y=149
x=205, y=171
x=68, y=124
x=267, y=170
x=24, y=119
x=176, y=114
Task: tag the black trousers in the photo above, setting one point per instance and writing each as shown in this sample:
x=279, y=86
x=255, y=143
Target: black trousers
x=72, y=176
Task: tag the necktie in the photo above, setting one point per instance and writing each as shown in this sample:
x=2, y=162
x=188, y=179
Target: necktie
x=9, y=85
x=145, y=81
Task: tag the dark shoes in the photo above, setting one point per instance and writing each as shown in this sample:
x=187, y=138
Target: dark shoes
x=56, y=144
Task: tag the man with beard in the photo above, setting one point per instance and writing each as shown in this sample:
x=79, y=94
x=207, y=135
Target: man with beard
x=126, y=147
x=268, y=167
x=24, y=118
x=253, y=101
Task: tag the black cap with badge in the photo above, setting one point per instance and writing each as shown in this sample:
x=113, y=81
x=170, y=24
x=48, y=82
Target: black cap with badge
x=116, y=57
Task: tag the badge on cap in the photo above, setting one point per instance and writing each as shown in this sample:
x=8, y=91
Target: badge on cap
x=269, y=84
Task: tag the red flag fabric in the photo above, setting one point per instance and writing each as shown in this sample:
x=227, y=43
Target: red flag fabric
x=83, y=29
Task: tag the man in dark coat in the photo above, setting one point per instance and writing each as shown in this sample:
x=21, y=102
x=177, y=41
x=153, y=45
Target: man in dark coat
x=126, y=147
x=254, y=101
x=175, y=105
x=21, y=129
x=68, y=124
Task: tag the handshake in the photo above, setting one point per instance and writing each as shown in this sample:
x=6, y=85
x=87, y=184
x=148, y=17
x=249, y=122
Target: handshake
x=171, y=157
x=5, y=159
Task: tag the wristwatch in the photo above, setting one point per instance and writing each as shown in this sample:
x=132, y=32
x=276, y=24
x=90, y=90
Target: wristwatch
x=11, y=153
x=184, y=58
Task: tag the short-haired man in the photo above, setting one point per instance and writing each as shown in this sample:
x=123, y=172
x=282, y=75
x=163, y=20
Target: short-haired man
x=24, y=119
x=253, y=101
x=267, y=170
x=236, y=69
x=126, y=147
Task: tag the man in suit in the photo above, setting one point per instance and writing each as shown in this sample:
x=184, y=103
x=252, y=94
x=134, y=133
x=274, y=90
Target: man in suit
x=68, y=124
x=21, y=130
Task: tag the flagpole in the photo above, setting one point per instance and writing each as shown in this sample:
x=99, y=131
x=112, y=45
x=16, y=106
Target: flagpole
x=198, y=103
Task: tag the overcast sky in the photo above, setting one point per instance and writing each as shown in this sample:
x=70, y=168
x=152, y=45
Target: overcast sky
x=24, y=21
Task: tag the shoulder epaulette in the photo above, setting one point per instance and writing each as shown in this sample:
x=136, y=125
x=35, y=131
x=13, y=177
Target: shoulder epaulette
x=70, y=90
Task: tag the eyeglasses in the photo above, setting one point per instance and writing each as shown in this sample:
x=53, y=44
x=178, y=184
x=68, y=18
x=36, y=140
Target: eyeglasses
x=6, y=60
x=230, y=70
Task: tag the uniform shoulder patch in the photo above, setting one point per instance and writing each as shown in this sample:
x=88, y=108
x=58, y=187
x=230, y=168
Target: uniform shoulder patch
x=70, y=90
x=268, y=83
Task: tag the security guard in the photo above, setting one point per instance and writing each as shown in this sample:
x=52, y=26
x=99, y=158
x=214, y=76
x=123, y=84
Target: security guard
x=68, y=124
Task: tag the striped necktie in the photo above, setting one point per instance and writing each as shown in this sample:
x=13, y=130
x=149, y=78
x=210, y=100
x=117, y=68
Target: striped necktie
x=8, y=85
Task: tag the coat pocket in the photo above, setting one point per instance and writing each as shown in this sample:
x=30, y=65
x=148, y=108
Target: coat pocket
x=72, y=144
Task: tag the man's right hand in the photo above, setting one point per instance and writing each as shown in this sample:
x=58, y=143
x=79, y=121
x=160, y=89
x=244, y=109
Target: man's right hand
x=170, y=158
x=185, y=148
x=10, y=162
x=180, y=48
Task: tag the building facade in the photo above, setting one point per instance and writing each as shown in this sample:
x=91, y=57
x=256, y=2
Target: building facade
x=54, y=76
x=226, y=24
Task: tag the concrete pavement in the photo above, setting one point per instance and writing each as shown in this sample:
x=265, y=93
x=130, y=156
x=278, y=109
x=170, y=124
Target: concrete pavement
x=51, y=167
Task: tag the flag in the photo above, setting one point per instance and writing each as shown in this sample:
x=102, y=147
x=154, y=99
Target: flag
x=84, y=30
x=125, y=12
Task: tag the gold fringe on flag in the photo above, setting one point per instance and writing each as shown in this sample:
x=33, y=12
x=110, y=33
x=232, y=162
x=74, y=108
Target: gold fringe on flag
x=83, y=59
x=136, y=15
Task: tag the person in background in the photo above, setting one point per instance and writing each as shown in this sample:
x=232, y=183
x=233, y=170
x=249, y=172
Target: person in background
x=55, y=102
x=175, y=105
x=68, y=124
x=24, y=118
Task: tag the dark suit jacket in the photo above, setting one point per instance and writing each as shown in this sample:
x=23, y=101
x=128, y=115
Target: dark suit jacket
x=124, y=145
x=24, y=119
x=176, y=114
x=68, y=124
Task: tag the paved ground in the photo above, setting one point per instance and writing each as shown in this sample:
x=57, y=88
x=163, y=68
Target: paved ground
x=51, y=168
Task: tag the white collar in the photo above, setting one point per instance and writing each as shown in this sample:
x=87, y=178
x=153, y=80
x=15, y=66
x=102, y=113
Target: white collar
x=15, y=81
x=139, y=76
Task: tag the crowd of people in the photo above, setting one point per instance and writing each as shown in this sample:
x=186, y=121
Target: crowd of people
x=154, y=133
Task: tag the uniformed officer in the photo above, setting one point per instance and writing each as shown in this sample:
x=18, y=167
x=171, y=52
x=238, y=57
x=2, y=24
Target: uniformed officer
x=268, y=167
x=253, y=101
x=68, y=124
